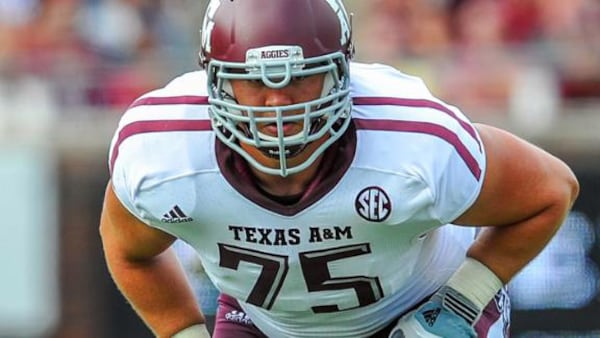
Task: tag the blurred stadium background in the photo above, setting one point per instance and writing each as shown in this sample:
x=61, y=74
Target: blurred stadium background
x=69, y=68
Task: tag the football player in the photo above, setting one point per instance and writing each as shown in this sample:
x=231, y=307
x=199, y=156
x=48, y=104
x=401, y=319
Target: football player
x=325, y=198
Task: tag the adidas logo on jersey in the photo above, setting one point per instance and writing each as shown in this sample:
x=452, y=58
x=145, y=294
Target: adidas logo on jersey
x=430, y=316
x=175, y=215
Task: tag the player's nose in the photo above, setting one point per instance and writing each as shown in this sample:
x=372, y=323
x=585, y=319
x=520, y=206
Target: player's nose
x=277, y=97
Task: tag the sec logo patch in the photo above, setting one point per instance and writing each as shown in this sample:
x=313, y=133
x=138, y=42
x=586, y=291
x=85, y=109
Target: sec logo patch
x=373, y=204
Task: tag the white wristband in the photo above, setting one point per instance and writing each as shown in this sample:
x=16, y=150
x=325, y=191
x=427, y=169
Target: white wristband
x=194, y=331
x=476, y=282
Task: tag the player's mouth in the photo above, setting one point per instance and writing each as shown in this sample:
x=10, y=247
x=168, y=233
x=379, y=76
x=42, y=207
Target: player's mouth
x=290, y=151
x=288, y=129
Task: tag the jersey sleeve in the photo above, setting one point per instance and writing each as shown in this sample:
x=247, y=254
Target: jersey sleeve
x=134, y=157
x=123, y=188
x=433, y=142
x=456, y=177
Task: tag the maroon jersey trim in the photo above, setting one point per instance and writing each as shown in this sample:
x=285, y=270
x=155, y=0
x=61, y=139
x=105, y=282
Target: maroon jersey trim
x=424, y=128
x=141, y=127
x=419, y=103
x=154, y=101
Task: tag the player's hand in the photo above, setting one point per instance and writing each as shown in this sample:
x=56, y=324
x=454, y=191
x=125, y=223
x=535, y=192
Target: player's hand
x=445, y=315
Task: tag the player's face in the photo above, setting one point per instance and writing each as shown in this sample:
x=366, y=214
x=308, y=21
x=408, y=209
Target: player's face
x=257, y=94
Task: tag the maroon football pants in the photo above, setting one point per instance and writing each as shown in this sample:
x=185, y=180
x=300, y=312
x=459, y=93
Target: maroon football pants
x=232, y=322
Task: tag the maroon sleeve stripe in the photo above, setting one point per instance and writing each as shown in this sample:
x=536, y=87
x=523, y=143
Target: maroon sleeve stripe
x=154, y=101
x=396, y=101
x=424, y=128
x=142, y=127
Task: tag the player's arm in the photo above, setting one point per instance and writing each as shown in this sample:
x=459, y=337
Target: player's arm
x=525, y=197
x=146, y=270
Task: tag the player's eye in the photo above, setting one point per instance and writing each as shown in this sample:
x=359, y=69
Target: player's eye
x=255, y=83
x=299, y=78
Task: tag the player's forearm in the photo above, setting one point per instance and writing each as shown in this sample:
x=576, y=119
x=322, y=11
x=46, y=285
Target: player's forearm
x=158, y=291
x=507, y=249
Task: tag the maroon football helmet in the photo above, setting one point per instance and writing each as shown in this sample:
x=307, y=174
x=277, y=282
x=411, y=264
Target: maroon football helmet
x=275, y=42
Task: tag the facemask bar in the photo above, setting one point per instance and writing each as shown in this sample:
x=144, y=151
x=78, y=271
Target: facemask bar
x=235, y=123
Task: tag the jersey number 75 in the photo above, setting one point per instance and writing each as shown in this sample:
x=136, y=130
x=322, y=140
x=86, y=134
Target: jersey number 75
x=315, y=269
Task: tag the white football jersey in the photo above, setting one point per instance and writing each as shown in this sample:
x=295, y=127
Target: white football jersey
x=367, y=241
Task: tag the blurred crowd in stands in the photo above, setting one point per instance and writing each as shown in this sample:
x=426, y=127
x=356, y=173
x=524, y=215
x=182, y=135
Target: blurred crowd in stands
x=492, y=56
x=484, y=55
x=57, y=56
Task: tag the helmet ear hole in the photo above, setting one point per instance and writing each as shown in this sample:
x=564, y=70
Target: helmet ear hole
x=202, y=62
x=328, y=84
x=351, y=48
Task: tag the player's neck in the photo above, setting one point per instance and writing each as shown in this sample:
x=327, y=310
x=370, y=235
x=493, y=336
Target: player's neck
x=291, y=185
